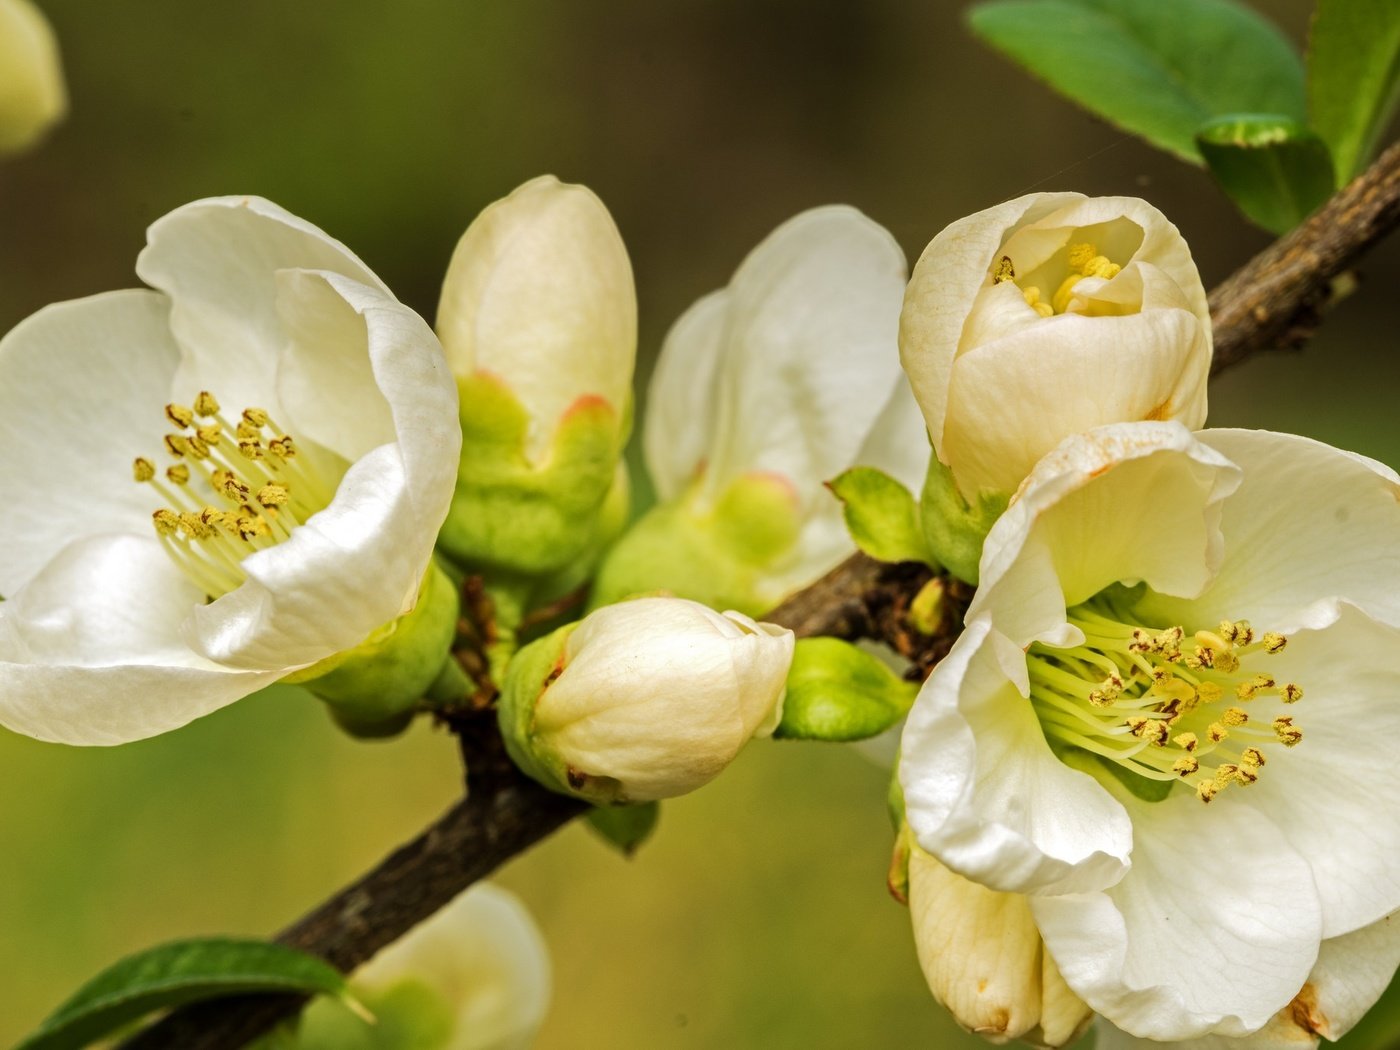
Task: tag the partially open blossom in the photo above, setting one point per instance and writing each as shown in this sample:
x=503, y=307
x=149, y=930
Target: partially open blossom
x=1169, y=718
x=538, y=318
x=764, y=391
x=32, y=95
x=216, y=484
x=1046, y=316
x=474, y=976
x=644, y=699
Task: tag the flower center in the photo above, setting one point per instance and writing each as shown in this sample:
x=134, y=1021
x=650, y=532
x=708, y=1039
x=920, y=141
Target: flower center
x=232, y=489
x=1162, y=705
x=1083, y=261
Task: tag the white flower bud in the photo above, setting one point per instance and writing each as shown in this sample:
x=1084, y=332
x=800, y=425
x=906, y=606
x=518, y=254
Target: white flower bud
x=643, y=700
x=32, y=95
x=1047, y=316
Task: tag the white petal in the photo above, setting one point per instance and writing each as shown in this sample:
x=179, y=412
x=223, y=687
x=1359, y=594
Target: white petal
x=357, y=564
x=83, y=387
x=1278, y=1034
x=217, y=259
x=1133, y=501
x=680, y=408
x=1309, y=523
x=985, y=795
x=539, y=292
x=1213, y=930
x=90, y=648
x=945, y=282
x=1013, y=399
x=810, y=355
x=32, y=94
x=898, y=442
x=484, y=955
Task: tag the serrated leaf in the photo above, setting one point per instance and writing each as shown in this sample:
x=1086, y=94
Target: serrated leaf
x=1276, y=170
x=1155, y=68
x=1353, y=76
x=882, y=515
x=178, y=973
x=625, y=827
x=837, y=692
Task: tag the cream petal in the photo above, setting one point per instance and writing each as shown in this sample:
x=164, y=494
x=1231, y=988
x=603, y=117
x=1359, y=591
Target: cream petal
x=83, y=386
x=1212, y=931
x=810, y=355
x=680, y=409
x=91, y=652
x=1279, y=1034
x=898, y=443
x=217, y=260
x=1158, y=361
x=985, y=795
x=1128, y=502
x=32, y=93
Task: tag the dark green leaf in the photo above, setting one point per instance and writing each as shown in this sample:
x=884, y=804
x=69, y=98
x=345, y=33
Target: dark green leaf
x=1353, y=76
x=625, y=827
x=1274, y=168
x=838, y=692
x=882, y=515
x=1157, y=68
x=177, y=973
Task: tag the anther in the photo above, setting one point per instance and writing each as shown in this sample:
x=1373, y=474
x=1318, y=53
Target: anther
x=1207, y=790
x=272, y=495
x=1003, y=271
x=1186, y=741
x=1185, y=766
x=1234, y=716
x=179, y=415
x=255, y=417
x=179, y=473
x=143, y=469
x=167, y=522
x=176, y=445
x=1286, y=731
x=251, y=450
x=206, y=405
x=1216, y=732
x=1274, y=642
x=1252, y=756
x=1291, y=693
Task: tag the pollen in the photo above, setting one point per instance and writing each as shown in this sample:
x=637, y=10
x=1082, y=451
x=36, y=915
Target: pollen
x=1004, y=270
x=206, y=405
x=142, y=469
x=179, y=416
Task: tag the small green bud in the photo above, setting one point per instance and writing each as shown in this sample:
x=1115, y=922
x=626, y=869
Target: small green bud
x=838, y=692
x=954, y=528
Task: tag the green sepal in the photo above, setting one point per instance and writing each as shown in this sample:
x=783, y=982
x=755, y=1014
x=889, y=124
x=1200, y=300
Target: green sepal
x=177, y=973
x=837, y=692
x=897, y=878
x=374, y=689
x=526, y=677
x=516, y=515
x=722, y=556
x=881, y=515
x=625, y=827
x=894, y=798
x=954, y=528
x=1275, y=169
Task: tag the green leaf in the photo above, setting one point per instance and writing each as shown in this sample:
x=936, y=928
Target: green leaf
x=837, y=692
x=1353, y=76
x=1157, y=68
x=625, y=827
x=1275, y=169
x=882, y=515
x=177, y=973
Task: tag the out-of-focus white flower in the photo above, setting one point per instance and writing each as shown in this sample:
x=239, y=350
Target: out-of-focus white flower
x=645, y=699
x=293, y=430
x=32, y=95
x=1169, y=716
x=764, y=391
x=1046, y=316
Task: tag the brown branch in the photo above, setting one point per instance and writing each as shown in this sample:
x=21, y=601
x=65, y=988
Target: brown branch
x=1271, y=303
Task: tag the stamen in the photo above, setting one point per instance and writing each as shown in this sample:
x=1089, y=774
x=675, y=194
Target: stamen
x=206, y=405
x=179, y=416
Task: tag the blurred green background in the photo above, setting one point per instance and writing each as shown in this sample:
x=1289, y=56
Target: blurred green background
x=758, y=916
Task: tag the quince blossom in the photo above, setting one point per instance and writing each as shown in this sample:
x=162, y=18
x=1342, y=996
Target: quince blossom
x=1168, y=720
x=215, y=484
x=32, y=94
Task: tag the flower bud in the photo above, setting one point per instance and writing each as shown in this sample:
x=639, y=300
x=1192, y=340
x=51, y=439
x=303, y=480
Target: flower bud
x=32, y=95
x=1047, y=316
x=538, y=319
x=984, y=960
x=642, y=700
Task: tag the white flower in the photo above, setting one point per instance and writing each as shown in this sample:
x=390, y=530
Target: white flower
x=1046, y=316
x=1170, y=716
x=32, y=95
x=330, y=484
x=645, y=699
x=474, y=976
x=764, y=391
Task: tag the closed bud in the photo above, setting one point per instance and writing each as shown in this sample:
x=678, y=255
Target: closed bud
x=32, y=95
x=643, y=700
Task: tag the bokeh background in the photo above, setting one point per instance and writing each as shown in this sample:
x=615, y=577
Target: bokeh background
x=758, y=915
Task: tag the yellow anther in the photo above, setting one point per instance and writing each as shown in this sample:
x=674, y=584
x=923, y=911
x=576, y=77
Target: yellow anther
x=1227, y=662
x=1184, y=767
x=1186, y=741
x=1207, y=790
x=282, y=447
x=209, y=435
x=1263, y=681
x=245, y=431
x=1274, y=642
x=179, y=473
x=1216, y=732
x=1102, y=266
x=167, y=522
x=1244, y=633
x=1033, y=300
x=1246, y=690
x=1245, y=775
x=1234, y=716
x=179, y=415
x=1153, y=730
x=142, y=469
x=199, y=448
x=1003, y=271
x=1253, y=757
x=1202, y=657
x=194, y=526
x=1291, y=693
x=255, y=416
x=251, y=527
x=1209, y=692
x=1098, y=698
x=176, y=445
x=1080, y=255
x=1227, y=630
x=1142, y=642
x=1286, y=731
x=1225, y=773
x=273, y=495
x=251, y=450
x=205, y=404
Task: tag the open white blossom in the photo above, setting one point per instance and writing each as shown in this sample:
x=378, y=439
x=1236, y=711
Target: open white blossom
x=1169, y=716
x=215, y=483
x=1046, y=316
x=32, y=93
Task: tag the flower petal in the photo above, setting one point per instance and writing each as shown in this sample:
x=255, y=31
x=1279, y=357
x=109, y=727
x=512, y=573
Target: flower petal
x=985, y=795
x=217, y=260
x=1213, y=929
x=898, y=442
x=1133, y=501
x=91, y=653
x=83, y=386
x=680, y=408
x=32, y=93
